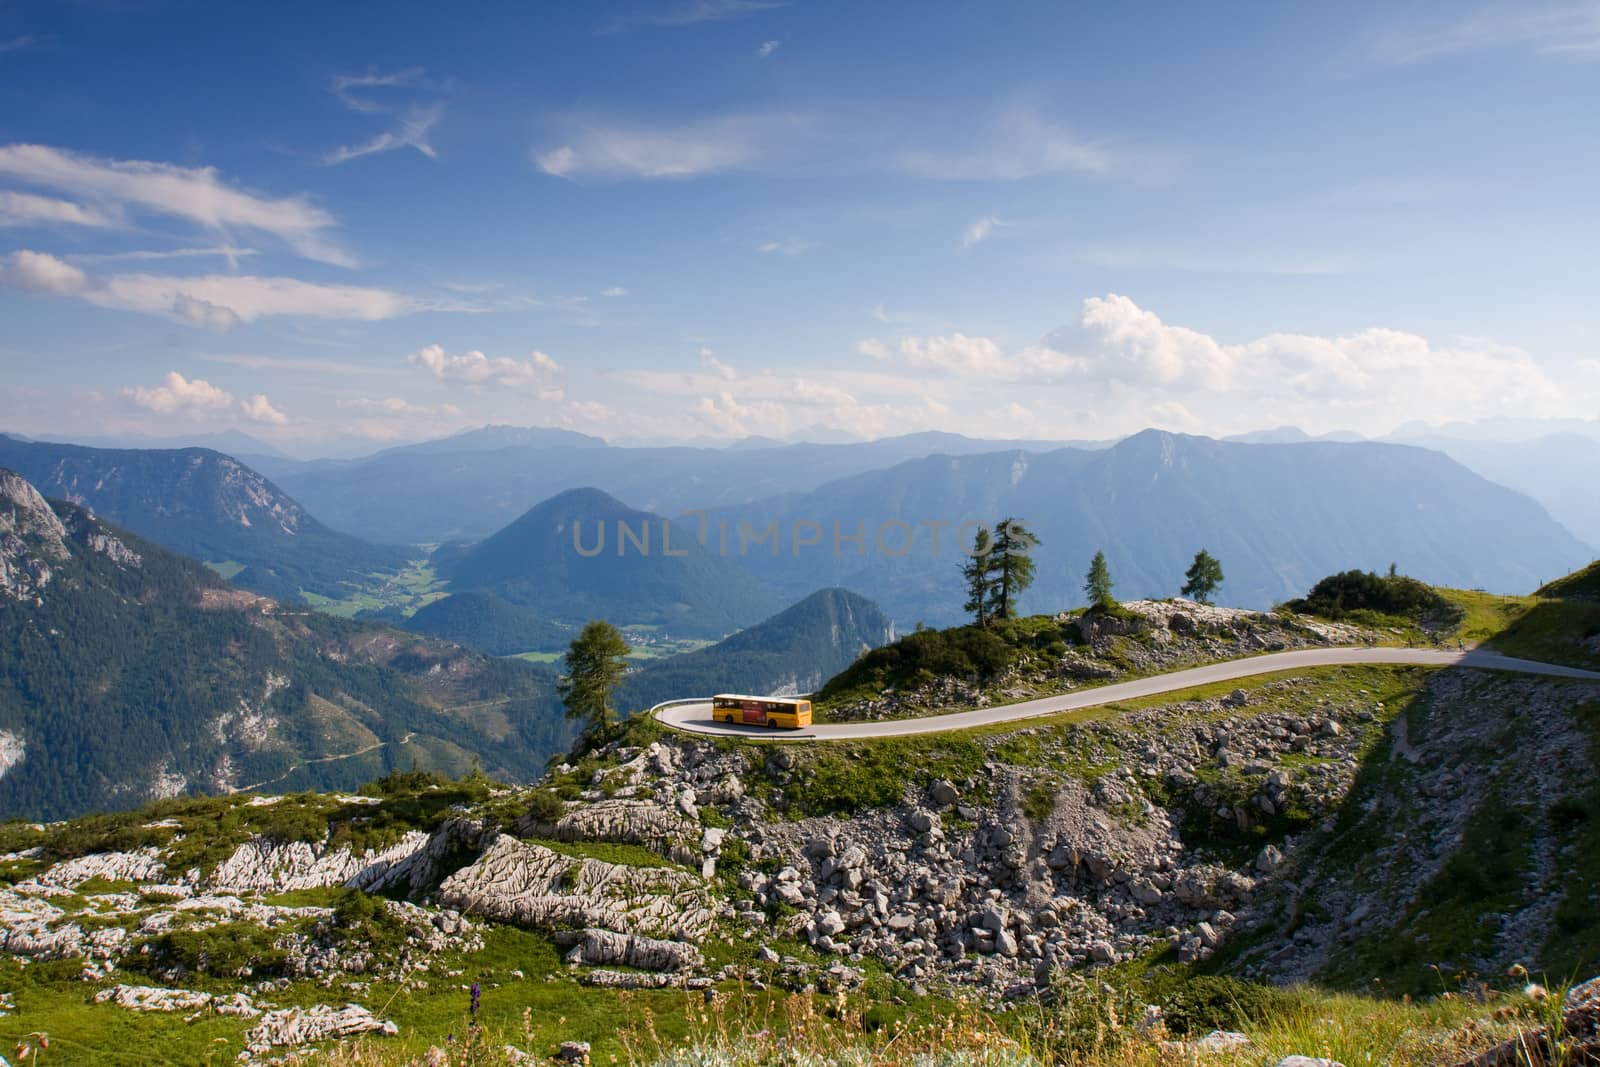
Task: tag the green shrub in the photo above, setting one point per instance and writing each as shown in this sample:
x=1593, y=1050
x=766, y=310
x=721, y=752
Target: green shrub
x=1341, y=595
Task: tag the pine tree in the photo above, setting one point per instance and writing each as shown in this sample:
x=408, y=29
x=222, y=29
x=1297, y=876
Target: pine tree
x=1098, y=583
x=1202, y=578
x=1013, y=565
x=594, y=667
x=978, y=572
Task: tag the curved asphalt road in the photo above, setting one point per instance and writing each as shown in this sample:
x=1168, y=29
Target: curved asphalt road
x=695, y=717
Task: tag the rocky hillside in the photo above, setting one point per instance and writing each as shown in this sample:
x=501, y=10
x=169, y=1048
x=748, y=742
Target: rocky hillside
x=930, y=672
x=1332, y=826
x=127, y=672
x=209, y=507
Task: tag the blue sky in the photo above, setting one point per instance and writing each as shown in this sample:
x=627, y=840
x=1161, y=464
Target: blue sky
x=711, y=218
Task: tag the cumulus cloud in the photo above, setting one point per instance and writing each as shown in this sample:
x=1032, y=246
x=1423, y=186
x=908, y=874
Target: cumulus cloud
x=767, y=48
x=259, y=409
x=474, y=369
x=39, y=272
x=1131, y=365
x=196, y=194
x=177, y=394
x=213, y=301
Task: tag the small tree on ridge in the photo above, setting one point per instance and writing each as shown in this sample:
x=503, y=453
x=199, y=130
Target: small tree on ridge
x=1203, y=577
x=594, y=667
x=1097, y=585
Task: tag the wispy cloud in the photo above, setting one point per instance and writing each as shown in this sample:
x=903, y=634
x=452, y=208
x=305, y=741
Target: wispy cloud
x=17, y=44
x=786, y=246
x=231, y=253
x=687, y=14
x=26, y=209
x=767, y=48
x=980, y=231
x=611, y=149
x=285, y=363
x=614, y=291
x=1565, y=29
x=195, y=194
x=213, y=301
x=1014, y=143
x=412, y=122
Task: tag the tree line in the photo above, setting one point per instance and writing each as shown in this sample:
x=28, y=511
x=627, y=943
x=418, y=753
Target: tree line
x=998, y=570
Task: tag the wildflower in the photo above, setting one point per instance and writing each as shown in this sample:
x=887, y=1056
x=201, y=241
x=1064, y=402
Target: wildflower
x=1517, y=970
x=476, y=993
x=1535, y=992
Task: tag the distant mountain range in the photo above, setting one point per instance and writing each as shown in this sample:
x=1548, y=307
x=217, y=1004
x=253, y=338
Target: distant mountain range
x=207, y=506
x=584, y=555
x=795, y=651
x=427, y=495
x=1278, y=516
x=128, y=672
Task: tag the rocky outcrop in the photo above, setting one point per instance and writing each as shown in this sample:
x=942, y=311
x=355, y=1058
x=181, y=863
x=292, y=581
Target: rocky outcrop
x=302, y=1026
x=263, y=866
x=156, y=998
x=533, y=886
x=609, y=948
x=665, y=831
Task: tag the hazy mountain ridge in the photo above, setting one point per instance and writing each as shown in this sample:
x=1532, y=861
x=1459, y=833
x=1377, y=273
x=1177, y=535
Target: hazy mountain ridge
x=1277, y=516
x=207, y=506
x=582, y=555
x=128, y=672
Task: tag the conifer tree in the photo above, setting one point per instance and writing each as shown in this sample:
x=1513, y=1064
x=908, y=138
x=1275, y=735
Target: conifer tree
x=1202, y=578
x=1097, y=586
x=594, y=668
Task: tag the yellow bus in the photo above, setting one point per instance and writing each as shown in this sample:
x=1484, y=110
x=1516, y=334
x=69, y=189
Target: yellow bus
x=789, y=713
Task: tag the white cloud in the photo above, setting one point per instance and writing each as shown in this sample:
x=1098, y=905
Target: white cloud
x=394, y=405
x=282, y=363
x=231, y=253
x=17, y=44
x=1130, y=368
x=709, y=360
x=39, y=272
x=411, y=131
x=614, y=291
x=980, y=231
x=474, y=369
x=691, y=13
x=177, y=394
x=787, y=246
x=1013, y=143
x=196, y=194
x=617, y=149
x=767, y=48
x=1569, y=29
x=1016, y=143
x=259, y=409
x=23, y=209
x=215, y=301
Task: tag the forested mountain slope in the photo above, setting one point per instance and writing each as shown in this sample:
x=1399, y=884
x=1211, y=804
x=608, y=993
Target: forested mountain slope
x=128, y=672
x=207, y=506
